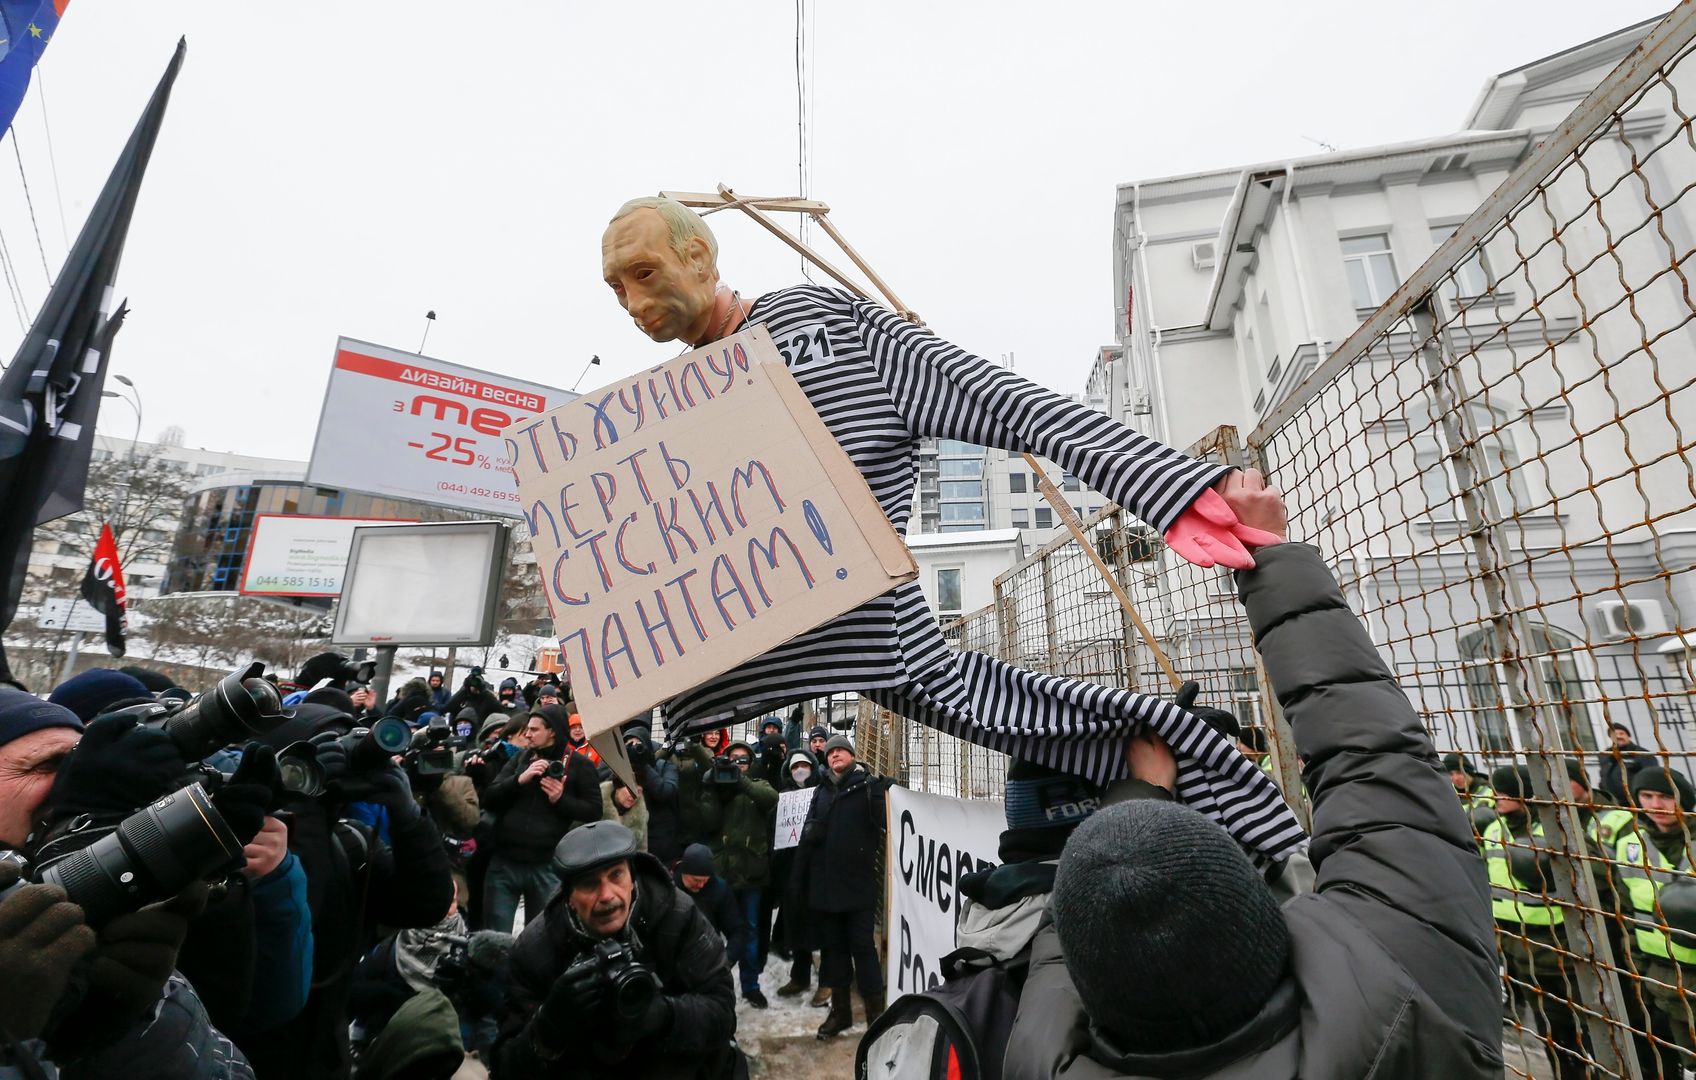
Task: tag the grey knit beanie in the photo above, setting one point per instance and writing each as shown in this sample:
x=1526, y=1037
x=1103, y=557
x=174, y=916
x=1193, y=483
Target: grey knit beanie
x=1171, y=937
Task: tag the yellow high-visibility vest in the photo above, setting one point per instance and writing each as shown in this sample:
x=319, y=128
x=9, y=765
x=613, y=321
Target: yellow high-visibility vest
x=1511, y=900
x=1643, y=871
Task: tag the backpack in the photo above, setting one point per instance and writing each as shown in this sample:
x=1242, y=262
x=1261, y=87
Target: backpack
x=956, y=1031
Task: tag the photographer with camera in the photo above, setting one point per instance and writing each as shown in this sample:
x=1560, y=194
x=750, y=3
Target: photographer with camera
x=114, y=823
x=469, y=968
x=620, y=975
x=354, y=881
x=658, y=781
x=473, y=692
x=693, y=758
x=739, y=810
x=539, y=796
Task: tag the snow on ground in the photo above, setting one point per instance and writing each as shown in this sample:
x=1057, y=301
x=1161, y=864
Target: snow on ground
x=780, y=1041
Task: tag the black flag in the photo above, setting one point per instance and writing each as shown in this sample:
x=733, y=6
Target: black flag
x=50, y=395
x=103, y=588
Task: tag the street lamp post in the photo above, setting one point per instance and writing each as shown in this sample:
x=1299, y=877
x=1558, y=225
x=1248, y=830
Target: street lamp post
x=594, y=362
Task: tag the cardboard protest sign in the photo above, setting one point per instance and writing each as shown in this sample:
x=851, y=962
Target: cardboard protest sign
x=792, y=807
x=933, y=841
x=690, y=518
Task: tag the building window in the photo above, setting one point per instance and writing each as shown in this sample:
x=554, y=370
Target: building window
x=961, y=513
x=1505, y=476
x=1021, y=519
x=1553, y=656
x=1472, y=277
x=1016, y=483
x=1044, y=518
x=962, y=489
x=960, y=468
x=948, y=592
x=1371, y=269
x=957, y=448
x=1068, y=482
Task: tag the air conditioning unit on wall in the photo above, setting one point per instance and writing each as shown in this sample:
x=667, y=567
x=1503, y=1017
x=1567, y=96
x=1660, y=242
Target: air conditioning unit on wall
x=1204, y=253
x=1617, y=620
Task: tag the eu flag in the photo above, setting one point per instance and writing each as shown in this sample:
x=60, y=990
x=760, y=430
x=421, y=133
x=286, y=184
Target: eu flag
x=27, y=26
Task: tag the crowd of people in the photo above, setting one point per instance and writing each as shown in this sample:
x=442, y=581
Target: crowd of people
x=451, y=881
x=1634, y=849
x=482, y=886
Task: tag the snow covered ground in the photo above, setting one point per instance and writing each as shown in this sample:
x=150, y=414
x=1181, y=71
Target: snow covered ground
x=780, y=1041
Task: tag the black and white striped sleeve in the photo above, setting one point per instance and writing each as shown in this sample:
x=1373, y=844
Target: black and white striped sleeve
x=945, y=392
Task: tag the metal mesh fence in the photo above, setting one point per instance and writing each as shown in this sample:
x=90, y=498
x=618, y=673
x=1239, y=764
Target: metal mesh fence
x=1497, y=464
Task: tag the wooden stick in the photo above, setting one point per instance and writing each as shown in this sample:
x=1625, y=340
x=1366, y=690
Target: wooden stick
x=713, y=200
x=847, y=249
x=783, y=234
x=1076, y=528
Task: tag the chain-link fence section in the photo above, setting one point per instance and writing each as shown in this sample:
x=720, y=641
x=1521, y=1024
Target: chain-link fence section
x=1497, y=464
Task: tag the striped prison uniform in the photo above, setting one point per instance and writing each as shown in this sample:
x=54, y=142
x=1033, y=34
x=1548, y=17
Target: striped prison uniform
x=880, y=384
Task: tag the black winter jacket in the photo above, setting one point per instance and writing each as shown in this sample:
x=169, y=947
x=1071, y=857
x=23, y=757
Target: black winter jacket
x=404, y=884
x=1618, y=763
x=1392, y=962
x=841, y=840
x=717, y=902
x=659, y=788
x=675, y=941
x=527, y=825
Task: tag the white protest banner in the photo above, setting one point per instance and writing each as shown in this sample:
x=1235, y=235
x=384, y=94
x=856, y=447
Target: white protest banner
x=299, y=554
x=399, y=424
x=792, y=807
x=934, y=841
x=691, y=518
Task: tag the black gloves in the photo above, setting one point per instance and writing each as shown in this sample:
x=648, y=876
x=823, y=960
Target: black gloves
x=42, y=936
x=576, y=995
x=251, y=793
x=116, y=769
x=656, y=1021
x=386, y=784
x=1219, y=720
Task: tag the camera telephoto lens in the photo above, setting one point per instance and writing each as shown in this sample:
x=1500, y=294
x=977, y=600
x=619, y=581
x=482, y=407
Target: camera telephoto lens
x=241, y=706
x=153, y=855
x=298, y=770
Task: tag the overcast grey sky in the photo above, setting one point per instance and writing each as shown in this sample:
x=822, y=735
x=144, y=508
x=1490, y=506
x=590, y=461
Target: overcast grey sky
x=340, y=168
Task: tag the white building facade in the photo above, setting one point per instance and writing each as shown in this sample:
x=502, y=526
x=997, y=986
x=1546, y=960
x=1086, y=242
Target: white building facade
x=1233, y=286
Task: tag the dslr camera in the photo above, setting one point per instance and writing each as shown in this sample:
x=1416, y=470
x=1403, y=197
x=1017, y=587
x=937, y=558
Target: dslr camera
x=555, y=770
x=152, y=855
x=724, y=772
x=366, y=748
x=242, y=705
x=632, y=985
x=430, y=749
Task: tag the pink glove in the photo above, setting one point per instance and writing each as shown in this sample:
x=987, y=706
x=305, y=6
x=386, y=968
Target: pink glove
x=1209, y=534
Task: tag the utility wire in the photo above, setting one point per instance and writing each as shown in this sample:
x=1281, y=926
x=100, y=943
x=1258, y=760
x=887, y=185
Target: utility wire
x=12, y=284
x=52, y=160
x=30, y=202
x=803, y=123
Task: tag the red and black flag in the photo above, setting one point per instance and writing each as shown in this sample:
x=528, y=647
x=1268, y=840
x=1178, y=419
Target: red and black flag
x=103, y=588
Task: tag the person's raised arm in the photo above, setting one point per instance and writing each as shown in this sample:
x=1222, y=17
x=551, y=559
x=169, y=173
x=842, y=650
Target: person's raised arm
x=1391, y=846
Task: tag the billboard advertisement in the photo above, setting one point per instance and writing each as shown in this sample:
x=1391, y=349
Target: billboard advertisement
x=407, y=426
x=299, y=554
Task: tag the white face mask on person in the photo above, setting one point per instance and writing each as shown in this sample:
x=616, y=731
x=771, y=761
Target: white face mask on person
x=800, y=773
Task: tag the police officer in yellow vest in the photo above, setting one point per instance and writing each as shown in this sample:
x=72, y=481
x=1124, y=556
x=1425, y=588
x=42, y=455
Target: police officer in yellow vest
x=1522, y=899
x=1603, y=820
x=1470, y=786
x=1658, y=887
